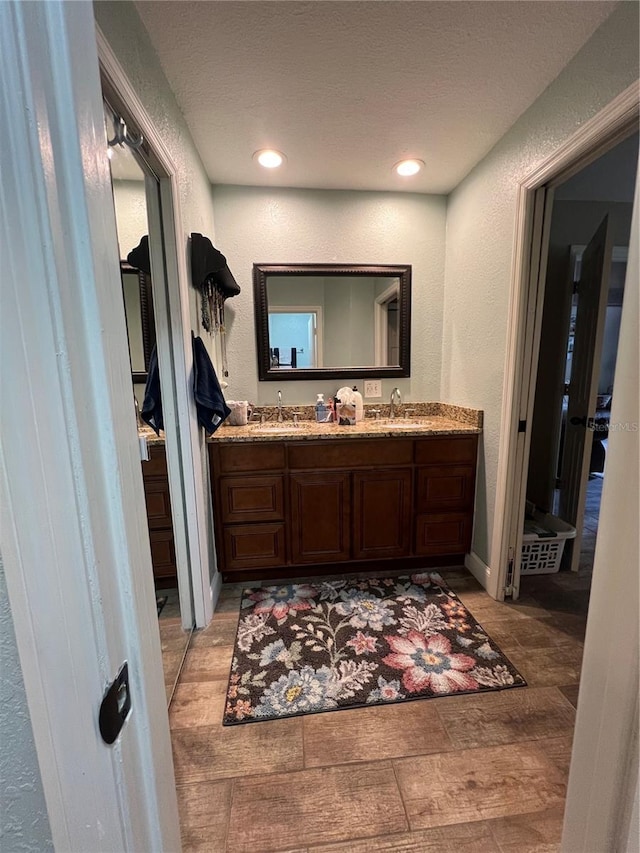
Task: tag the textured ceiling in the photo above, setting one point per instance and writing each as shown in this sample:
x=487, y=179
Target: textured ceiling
x=346, y=89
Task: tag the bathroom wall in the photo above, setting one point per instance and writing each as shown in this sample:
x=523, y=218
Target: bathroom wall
x=264, y=225
x=347, y=325
x=24, y=822
x=481, y=215
x=127, y=37
x=131, y=214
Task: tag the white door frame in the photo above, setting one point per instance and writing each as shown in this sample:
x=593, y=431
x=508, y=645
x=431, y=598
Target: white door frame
x=75, y=541
x=595, y=135
x=381, y=324
x=183, y=439
x=603, y=777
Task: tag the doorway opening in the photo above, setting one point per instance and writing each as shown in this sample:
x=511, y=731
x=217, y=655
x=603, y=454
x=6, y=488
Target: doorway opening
x=586, y=239
x=295, y=336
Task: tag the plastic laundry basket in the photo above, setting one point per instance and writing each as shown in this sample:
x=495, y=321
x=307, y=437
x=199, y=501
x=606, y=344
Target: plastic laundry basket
x=541, y=555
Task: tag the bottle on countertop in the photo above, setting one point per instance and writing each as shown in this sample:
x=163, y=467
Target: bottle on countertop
x=359, y=405
x=321, y=409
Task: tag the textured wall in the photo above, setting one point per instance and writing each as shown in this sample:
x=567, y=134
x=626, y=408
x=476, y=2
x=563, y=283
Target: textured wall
x=24, y=823
x=127, y=37
x=130, y=42
x=480, y=237
x=131, y=214
x=262, y=225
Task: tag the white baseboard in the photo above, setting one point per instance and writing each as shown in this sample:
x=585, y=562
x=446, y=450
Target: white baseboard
x=478, y=568
x=216, y=586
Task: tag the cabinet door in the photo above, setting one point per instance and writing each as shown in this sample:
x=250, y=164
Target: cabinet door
x=382, y=513
x=320, y=517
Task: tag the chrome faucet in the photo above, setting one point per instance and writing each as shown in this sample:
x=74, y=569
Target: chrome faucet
x=280, y=418
x=396, y=400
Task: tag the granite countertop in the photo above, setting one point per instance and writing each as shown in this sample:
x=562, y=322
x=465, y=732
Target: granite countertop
x=412, y=420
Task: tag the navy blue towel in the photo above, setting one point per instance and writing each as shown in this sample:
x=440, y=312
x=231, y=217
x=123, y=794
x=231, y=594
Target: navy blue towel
x=210, y=404
x=152, y=406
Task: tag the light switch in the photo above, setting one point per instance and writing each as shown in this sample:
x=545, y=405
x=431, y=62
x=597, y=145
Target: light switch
x=373, y=388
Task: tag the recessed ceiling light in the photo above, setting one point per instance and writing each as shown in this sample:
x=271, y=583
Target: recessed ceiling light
x=269, y=158
x=408, y=167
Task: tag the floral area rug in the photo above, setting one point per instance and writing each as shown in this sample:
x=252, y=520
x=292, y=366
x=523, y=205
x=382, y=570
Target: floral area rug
x=307, y=648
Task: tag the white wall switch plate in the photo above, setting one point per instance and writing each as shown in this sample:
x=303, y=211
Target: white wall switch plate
x=373, y=388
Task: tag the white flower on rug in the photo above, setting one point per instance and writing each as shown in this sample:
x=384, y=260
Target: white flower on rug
x=485, y=651
x=252, y=629
x=365, y=610
x=296, y=693
x=497, y=677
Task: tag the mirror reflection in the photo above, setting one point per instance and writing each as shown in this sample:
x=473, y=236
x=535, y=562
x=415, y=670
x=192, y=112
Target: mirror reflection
x=321, y=320
x=132, y=223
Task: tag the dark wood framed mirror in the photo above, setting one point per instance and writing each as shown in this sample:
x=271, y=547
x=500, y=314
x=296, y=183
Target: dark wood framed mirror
x=141, y=330
x=328, y=321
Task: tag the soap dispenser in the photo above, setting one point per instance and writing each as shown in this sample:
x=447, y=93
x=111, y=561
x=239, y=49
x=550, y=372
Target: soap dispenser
x=321, y=409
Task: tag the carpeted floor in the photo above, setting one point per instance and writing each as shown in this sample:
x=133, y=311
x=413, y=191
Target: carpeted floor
x=308, y=648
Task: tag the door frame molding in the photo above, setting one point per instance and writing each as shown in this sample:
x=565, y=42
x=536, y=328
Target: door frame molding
x=74, y=533
x=187, y=483
x=606, y=128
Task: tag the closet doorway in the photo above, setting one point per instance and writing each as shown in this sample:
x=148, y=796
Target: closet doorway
x=585, y=230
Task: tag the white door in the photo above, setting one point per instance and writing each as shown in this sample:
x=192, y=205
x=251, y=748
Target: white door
x=74, y=541
x=593, y=288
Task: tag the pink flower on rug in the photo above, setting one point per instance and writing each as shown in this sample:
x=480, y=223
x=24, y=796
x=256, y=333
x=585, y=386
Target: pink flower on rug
x=428, y=663
x=363, y=643
x=279, y=600
x=241, y=709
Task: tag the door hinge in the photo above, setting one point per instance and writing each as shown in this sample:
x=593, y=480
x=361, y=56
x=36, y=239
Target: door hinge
x=508, y=587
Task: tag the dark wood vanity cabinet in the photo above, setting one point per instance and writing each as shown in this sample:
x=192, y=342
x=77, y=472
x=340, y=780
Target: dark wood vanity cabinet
x=158, y=501
x=284, y=507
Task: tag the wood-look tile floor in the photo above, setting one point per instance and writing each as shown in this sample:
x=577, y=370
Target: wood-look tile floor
x=477, y=773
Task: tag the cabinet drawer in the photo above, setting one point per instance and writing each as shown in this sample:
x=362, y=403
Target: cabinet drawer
x=254, y=546
x=350, y=454
x=248, y=457
x=437, y=450
x=163, y=553
x=443, y=533
x=156, y=495
x=444, y=487
x=251, y=498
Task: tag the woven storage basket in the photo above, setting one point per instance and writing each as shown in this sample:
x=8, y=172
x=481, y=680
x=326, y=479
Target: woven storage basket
x=541, y=555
